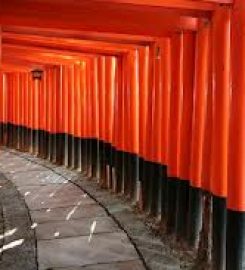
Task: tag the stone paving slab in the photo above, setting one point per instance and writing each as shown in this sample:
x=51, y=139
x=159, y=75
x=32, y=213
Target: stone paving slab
x=51, y=192
x=59, y=202
x=78, y=227
x=36, y=178
x=19, y=166
x=80, y=251
x=64, y=213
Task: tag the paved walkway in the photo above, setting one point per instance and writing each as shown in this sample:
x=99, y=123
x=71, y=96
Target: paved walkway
x=62, y=228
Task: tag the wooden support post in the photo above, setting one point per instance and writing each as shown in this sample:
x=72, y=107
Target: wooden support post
x=176, y=103
x=220, y=131
x=236, y=169
x=199, y=115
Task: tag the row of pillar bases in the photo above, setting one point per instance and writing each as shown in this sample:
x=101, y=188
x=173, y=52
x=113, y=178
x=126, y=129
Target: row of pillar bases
x=196, y=220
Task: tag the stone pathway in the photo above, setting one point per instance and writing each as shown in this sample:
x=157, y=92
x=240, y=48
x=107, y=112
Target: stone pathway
x=57, y=226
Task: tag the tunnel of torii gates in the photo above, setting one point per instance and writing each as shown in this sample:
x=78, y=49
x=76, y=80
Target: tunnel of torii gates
x=146, y=95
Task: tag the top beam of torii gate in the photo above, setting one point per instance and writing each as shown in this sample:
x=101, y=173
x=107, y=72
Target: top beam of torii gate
x=208, y=5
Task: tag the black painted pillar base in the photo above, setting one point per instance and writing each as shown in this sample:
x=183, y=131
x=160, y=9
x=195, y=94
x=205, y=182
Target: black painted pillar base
x=141, y=164
x=182, y=208
x=18, y=145
x=102, y=163
x=45, y=142
x=219, y=218
x=164, y=196
x=172, y=185
x=60, y=149
x=127, y=173
x=10, y=135
x=79, y=154
x=194, y=216
x=49, y=146
x=134, y=175
x=94, y=157
x=155, y=207
x=235, y=249
x=147, y=186
x=29, y=139
x=66, y=146
x=75, y=153
x=113, y=167
x=41, y=144
x=119, y=159
x=108, y=166
x=53, y=155
x=88, y=160
x=70, y=148
x=26, y=139
x=84, y=154
x=89, y=157
x=35, y=141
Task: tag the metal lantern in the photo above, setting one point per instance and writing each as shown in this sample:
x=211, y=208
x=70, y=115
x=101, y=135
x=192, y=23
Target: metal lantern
x=37, y=74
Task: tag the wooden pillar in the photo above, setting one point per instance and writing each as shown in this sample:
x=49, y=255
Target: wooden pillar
x=220, y=131
x=176, y=103
x=199, y=115
x=236, y=169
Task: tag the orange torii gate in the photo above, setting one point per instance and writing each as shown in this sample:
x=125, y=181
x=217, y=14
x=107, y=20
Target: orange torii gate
x=151, y=103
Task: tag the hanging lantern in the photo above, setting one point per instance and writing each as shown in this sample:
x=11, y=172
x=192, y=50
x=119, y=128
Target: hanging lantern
x=37, y=74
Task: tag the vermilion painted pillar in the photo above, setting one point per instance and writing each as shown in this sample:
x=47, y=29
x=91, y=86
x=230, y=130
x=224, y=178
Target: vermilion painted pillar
x=119, y=114
x=134, y=122
x=20, y=113
x=89, y=115
x=65, y=86
x=176, y=103
x=55, y=127
x=61, y=118
x=36, y=106
x=72, y=90
x=201, y=86
x=109, y=121
x=101, y=89
x=148, y=165
x=185, y=133
x=157, y=147
x=127, y=124
x=94, y=116
x=77, y=118
x=236, y=169
x=143, y=110
x=50, y=105
x=31, y=113
x=70, y=94
x=220, y=130
x=166, y=89
x=83, y=115
x=23, y=111
x=14, y=97
x=115, y=130
x=26, y=112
